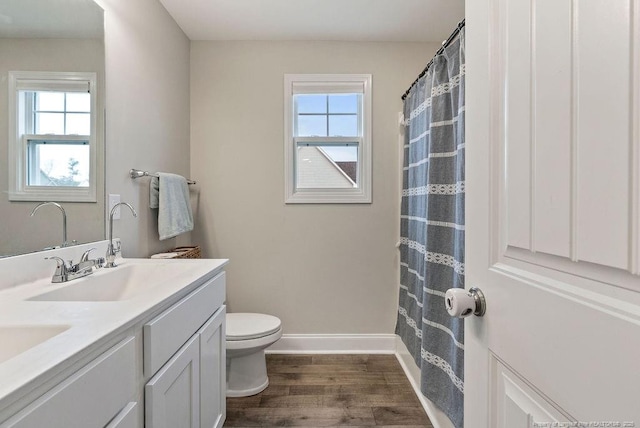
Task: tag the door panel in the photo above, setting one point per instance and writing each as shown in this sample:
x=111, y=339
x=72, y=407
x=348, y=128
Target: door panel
x=567, y=134
x=551, y=119
x=552, y=212
x=517, y=404
x=603, y=84
x=518, y=131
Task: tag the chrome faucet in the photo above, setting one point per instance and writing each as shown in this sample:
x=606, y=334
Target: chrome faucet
x=67, y=271
x=111, y=250
x=64, y=219
x=88, y=264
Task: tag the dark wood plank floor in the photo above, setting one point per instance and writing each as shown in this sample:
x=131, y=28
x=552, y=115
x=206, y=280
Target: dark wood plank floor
x=331, y=390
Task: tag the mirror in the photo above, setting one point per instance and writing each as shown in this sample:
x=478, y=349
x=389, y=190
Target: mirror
x=58, y=36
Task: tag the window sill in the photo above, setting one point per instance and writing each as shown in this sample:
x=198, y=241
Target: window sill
x=48, y=193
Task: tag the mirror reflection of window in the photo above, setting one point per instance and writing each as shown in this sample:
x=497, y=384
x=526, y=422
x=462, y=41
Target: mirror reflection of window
x=61, y=112
x=50, y=116
x=55, y=135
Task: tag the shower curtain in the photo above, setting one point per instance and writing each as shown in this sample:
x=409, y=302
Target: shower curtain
x=432, y=228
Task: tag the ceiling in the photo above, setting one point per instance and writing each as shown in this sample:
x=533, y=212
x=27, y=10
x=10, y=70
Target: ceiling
x=334, y=20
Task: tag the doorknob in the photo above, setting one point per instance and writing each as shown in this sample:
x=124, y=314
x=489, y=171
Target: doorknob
x=461, y=303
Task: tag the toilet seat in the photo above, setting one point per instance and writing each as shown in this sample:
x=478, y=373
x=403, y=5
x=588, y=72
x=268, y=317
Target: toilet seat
x=249, y=326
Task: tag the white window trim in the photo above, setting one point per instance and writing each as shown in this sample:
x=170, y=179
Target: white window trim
x=327, y=83
x=17, y=161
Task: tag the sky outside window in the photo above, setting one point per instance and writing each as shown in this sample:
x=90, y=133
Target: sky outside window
x=62, y=113
x=329, y=115
x=334, y=115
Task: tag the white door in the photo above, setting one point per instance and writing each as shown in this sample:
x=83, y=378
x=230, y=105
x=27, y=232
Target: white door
x=553, y=219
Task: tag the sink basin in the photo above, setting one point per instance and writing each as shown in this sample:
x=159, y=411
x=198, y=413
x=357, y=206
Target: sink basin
x=16, y=340
x=108, y=285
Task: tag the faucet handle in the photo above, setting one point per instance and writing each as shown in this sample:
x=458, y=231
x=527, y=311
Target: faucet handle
x=59, y=260
x=85, y=255
x=62, y=267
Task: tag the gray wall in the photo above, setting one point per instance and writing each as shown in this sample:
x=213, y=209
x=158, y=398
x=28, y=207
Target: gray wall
x=147, y=67
x=320, y=268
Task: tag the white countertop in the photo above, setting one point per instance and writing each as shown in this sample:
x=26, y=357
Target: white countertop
x=88, y=322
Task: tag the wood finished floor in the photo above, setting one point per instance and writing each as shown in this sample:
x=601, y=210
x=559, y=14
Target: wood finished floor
x=331, y=390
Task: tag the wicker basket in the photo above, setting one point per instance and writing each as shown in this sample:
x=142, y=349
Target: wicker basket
x=186, y=252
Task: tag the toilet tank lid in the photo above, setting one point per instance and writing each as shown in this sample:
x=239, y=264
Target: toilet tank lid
x=250, y=326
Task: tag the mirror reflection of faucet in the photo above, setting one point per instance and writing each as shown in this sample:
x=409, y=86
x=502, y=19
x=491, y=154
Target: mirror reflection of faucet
x=65, y=243
x=112, y=251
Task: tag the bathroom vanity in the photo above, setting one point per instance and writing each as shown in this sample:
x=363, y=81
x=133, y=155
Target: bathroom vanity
x=138, y=345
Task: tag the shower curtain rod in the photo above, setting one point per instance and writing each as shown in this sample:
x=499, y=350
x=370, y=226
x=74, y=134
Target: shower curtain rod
x=444, y=46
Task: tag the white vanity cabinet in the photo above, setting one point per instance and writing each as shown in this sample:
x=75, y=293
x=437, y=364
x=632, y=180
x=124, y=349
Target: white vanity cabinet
x=159, y=363
x=92, y=397
x=184, y=352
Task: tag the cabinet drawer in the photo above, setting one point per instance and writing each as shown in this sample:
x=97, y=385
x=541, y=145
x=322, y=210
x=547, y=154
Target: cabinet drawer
x=127, y=418
x=166, y=333
x=89, y=398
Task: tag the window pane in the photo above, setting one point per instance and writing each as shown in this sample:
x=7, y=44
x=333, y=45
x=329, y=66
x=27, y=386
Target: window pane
x=348, y=153
x=343, y=103
x=78, y=124
x=311, y=103
x=343, y=126
x=49, y=123
x=79, y=101
x=50, y=101
x=312, y=126
x=326, y=166
x=59, y=165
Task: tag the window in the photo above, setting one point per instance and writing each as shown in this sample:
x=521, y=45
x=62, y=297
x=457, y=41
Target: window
x=327, y=138
x=53, y=138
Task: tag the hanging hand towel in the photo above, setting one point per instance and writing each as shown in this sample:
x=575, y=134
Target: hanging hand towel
x=170, y=195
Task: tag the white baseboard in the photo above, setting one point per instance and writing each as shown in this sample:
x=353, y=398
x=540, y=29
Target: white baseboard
x=437, y=416
x=334, y=344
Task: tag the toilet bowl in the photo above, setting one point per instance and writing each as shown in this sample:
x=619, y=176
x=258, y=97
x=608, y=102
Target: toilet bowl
x=248, y=335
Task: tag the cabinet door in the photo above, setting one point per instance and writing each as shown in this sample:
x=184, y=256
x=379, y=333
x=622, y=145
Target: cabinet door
x=172, y=396
x=213, y=371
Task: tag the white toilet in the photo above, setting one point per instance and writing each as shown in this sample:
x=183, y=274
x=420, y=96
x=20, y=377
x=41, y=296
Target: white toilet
x=247, y=337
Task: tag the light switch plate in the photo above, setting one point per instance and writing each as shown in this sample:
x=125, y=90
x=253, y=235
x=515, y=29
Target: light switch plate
x=113, y=200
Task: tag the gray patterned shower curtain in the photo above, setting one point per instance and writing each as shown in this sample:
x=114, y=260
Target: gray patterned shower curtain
x=432, y=228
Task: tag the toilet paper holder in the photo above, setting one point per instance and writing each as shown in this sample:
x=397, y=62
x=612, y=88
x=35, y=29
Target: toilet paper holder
x=461, y=303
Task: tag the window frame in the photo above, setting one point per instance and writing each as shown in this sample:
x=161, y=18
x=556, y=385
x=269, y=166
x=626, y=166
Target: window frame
x=295, y=84
x=18, y=168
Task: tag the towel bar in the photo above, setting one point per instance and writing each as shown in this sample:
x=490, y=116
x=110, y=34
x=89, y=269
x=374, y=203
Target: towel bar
x=136, y=173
